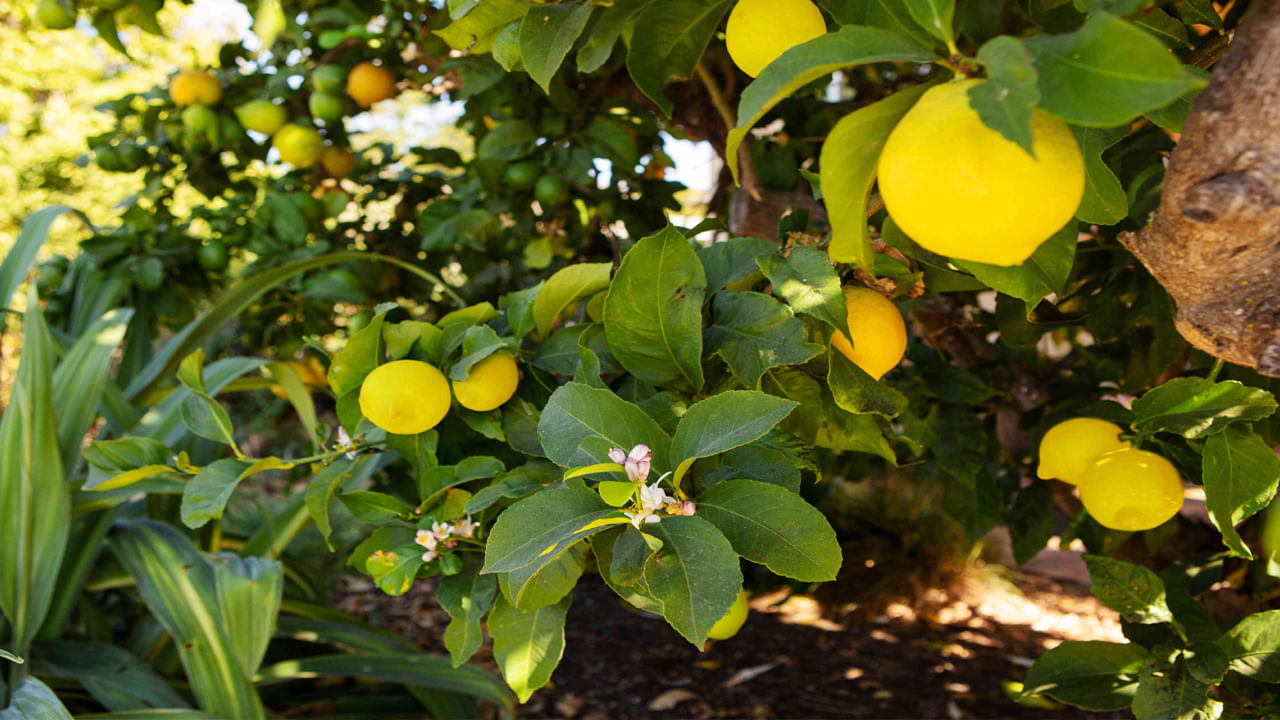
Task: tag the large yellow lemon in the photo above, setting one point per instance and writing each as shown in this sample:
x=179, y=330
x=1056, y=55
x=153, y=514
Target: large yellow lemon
x=405, y=397
x=192, y=87
x=729, y=625
x=761, y=30
x=368, y=83
x=879, y=335
x=1070, y=448
x=299, y=146
x=491, y=382
x=962, y=190
x=1131, y=490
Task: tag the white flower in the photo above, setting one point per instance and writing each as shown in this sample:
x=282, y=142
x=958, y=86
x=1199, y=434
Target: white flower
x=618, y=455
x=426, y=539
x=638, y=462
x=653, y=498
x=344, y=441
x=643, y=517
x=441, y=530
x=429, y=555
x=465, y=528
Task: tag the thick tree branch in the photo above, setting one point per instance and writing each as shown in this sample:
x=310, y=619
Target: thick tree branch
x=1214, y=243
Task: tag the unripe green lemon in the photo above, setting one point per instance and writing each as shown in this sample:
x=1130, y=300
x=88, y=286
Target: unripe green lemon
x=262, y=116
x=55, y=15
x=1131, y=490
x=551, y=190
x=212, y=256
x=521, y=176
x=192, y=87
x=199, y=119
x=327, y=107
x=328, y=78
x=149, y=274
x=759, y=31
x=963, y=190
x=879, y=334
x=299, y=146
x=368, y=83
x=405, y=397
x=1071, y=447
x=108, y=158
x=729, y=625
x=491, y=382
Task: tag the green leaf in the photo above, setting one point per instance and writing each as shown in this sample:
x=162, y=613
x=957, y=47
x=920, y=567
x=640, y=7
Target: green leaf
x=33, y=700
x=527, y=644
x=608, y=27
x=1007, y=100
x=1199, y=11
x=537, y=586
x=1092, y=675
x=580, y=424
x=1253, y=646
x=466, y=596
x=1195, y=407
x=850, y=45
x=1168, y=691
x=6, y=655
x=695, y=576
x=179, y=587
x=653, y=313
x=602, y=546
x=857, y=392
x=407, y=669
x=300, y=398
x=22, y=254
x=1104, y=202
x=753, y=332
x=375, y=507
x=321, y=491
x=1240, y=472
x=118, y=463
x=806, y=280
x=474, y=31
x=547, y=35
x=673, y=35
x=847, y=170
x=733, y=259
x=249, y=592
x=631, y=552
x=1107, y=73
x=34, y=499
x=774, y=527
x=535, y=530
x=80, y=380
x=1131, y=590
x=362, y=353
x=1046, y=271
x=206, y=495
x=935, y=16
x=568, y=286
x=509, y=141
x=723, y=422
x=113, y=675
x=394, y=570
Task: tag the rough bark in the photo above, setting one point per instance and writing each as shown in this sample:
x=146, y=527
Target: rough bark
x=1214, y=243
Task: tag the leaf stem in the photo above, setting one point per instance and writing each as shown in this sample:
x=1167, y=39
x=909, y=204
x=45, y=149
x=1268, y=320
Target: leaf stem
x=1217, y=368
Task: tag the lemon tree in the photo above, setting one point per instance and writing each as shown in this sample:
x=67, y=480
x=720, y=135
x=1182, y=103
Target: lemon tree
x=509, y=366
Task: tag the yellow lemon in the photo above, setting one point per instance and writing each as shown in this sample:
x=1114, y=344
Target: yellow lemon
x=405, y=397
x=368, y=83
x=1070, y=448
x=192, y=87
x=761, y=30
x=729, y=625
x=262, y=116
x=338, y=162
x=879, y=335
x=1131, y=490
x=962, y=190
x=299, y=146
x=491, y=382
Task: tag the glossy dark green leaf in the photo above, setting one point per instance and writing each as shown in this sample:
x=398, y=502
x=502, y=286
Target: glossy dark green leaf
x=695, y=576
x=675, y=34
x=935, y=16
x=1131, y=590
x=1007, y=100
x=1104, y=202
x=753, y=332
x=1253, y=646
x=568, y=286
x=722, y=422
x=581, y=424
x=535, y=530
x=1195, y=407
x=1092, y=675
x=466, y=596
x=1045, y=272
x=474, y=31
x=774, y=527
x=1240, y=472
x=547, y=34
x=527, y=644
x=806, y=280
x=857, y=392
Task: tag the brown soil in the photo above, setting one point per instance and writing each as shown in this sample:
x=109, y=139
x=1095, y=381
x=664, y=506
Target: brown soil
x=794, y=659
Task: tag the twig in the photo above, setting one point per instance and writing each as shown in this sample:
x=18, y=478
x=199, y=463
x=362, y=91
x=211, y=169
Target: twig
x=746, y=168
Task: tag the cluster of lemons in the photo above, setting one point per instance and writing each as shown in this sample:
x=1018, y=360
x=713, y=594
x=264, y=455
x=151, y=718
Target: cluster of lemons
x=954, y=185
x=1123, y=488
x=407, y=397
x=299, y=145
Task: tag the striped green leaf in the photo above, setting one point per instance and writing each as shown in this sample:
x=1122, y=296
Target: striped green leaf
x=81, y=379
x=180, y=587
x=18, y=261
x=34, y=499
x=112, y=675
x=249, y=593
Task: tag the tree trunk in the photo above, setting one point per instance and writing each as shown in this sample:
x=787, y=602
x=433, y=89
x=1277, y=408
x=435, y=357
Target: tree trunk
x=1215, y=240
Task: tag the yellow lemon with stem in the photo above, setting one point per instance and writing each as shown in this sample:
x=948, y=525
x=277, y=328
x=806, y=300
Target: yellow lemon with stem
x=759, y=31
x=1070, y=448
x=1131, y=490
x=491, y=382
x=405, y=397
x=729, y=625
x=193, y=87
x=879, y=334
x=368, y=83
x=963, y=190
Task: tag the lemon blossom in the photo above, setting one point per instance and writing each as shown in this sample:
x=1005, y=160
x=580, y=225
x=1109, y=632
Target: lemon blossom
x=465, y=528
x=636, y=463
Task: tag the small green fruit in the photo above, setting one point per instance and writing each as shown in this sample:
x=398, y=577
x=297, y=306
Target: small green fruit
x=327, y=107
x=108, y=158
x=521, y=176
x=149, y=274
x=199, y=119
x=329, y=79
x=551, y=191
x=262, y=116
x=55, y=15
x=132, y=156
x=212, y=256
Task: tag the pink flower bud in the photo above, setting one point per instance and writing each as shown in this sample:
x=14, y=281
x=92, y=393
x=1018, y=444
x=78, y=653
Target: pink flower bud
x=618, y=455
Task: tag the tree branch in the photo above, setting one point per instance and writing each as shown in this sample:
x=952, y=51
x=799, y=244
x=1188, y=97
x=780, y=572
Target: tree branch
x=1214, y=243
